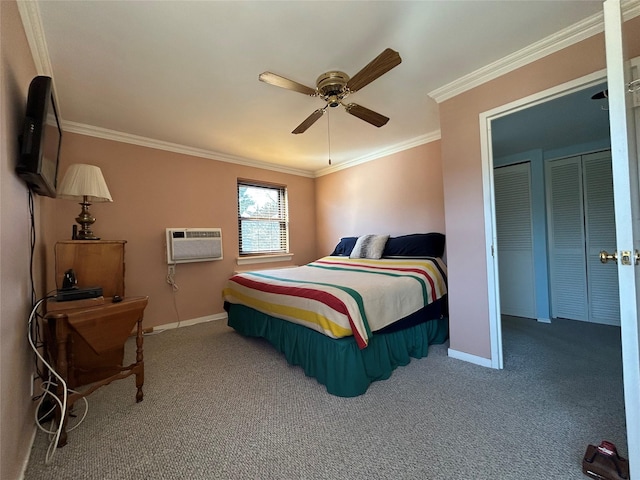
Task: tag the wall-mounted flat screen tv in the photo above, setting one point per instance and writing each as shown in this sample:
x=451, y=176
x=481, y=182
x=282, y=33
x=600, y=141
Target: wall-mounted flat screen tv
x=40, y=140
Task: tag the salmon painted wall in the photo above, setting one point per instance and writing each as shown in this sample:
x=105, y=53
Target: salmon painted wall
x=153, y=190
x=396, y=195
x=462, y=176
x=16, y=358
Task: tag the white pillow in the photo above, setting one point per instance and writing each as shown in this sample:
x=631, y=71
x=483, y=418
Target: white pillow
x=369, y=246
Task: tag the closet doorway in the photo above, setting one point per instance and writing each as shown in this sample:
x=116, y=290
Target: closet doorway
x=548, y=257
x=512, y=186
x=580, y=219
x=550, y=267
x=625, y=138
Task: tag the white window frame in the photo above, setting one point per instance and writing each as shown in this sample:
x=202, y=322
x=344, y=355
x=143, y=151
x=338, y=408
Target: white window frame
x=260, y=256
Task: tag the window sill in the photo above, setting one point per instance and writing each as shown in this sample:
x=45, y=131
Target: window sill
x=280, y=257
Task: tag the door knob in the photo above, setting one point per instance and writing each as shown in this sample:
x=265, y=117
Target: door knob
x=605, y=257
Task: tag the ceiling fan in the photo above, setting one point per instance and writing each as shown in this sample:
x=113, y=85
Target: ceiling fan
x=334, y=86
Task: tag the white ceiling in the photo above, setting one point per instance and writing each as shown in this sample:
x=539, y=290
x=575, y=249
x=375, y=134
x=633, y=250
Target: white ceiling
x=573, y=119
x=184, y=75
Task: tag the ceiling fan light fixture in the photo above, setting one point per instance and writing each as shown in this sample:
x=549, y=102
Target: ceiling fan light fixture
x=334, y=86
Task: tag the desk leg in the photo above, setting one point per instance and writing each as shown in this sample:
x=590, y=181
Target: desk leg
x=62, y=367
x=139, y=362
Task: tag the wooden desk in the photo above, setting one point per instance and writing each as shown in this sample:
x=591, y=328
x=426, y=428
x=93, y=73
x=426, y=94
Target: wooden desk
x=86, y=345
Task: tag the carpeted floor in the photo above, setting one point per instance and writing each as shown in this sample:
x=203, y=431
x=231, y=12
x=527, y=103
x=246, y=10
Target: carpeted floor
x=220, y=406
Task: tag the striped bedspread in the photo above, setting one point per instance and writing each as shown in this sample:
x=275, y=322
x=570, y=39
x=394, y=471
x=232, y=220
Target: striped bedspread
x=341, y=296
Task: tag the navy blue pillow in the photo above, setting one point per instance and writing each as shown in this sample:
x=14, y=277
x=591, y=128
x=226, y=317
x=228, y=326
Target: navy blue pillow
x=415, y=245
x=343, y=249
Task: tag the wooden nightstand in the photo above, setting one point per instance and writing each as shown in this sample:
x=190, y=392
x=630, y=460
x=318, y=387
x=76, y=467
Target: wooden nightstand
x=86, y=347
x=85, y=339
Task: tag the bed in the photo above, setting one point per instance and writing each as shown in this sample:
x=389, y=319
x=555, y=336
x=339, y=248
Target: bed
x=352, y=317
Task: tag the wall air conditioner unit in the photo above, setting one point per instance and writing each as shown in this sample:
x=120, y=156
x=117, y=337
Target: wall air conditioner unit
x=185, y=245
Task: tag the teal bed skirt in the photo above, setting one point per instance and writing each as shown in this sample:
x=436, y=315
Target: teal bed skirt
x=339, y=364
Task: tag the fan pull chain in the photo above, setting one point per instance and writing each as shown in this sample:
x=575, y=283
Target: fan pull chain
x=329, y=133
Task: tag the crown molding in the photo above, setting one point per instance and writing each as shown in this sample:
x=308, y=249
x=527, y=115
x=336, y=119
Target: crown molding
x=107, y=134
x=31, y=20
x=529, y=54
x=551, y=44
x=399, y=147
x=32, y=24
x=630, y=9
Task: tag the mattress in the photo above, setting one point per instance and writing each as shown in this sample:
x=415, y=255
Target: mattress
x=340, y=296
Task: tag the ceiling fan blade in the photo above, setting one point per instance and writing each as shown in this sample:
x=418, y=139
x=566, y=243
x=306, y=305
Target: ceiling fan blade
x=310, y=120
x=278, y=81
x=367, y=115
x=376, y=68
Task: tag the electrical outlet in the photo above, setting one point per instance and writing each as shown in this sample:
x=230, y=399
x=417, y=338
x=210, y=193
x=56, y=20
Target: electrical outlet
x=171, y=270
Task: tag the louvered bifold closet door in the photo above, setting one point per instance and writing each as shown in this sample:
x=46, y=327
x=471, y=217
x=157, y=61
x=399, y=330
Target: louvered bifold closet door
x=512, y=186
x=565, y=216
x=602, y=280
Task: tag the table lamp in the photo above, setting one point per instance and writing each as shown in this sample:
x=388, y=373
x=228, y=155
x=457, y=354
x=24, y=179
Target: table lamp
x=86, y=183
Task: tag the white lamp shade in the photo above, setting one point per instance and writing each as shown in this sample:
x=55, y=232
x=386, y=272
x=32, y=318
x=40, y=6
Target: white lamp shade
x=82, y=180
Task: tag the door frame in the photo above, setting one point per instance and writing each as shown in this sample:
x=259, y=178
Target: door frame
x=493, y=283
x=629, y=345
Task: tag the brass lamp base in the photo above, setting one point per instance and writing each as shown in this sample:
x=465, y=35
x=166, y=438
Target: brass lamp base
x=85, y=219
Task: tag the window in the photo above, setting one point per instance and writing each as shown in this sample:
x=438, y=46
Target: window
x=263, y=220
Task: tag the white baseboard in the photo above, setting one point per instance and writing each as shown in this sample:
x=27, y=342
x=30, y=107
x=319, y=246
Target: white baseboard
x=544, y=320
x=25, y=462
x=192, y=321
x=467, y=357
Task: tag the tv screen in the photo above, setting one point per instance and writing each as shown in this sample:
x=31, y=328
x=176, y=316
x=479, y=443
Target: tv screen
x=41, y=139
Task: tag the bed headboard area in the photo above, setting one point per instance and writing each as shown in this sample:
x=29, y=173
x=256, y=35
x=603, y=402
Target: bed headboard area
x=415, y=245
